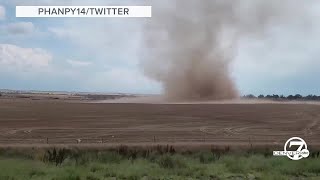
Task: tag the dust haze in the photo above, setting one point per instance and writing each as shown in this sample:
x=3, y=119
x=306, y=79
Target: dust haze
x=190, y=45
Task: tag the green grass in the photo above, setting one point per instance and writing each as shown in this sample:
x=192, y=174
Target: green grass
x=129, y=164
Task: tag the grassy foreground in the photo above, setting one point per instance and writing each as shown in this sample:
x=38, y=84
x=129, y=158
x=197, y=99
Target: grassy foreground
x=160, y=163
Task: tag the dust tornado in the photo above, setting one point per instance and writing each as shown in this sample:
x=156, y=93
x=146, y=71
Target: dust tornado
x=190, y=45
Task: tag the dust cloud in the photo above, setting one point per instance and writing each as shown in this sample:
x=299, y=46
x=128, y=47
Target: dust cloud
x=189, y=45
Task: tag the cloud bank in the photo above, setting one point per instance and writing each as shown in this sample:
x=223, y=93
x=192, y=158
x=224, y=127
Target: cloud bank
x=19, y=28
x=17, y=58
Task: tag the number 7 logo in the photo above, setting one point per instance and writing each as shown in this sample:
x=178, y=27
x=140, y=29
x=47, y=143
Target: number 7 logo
x=301, y=152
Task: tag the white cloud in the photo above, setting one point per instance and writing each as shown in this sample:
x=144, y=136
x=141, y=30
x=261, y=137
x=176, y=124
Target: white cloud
x=124, y=80
x=283, y=54
x=2, y=13
x=19, y=28
x=108, y=39
x=78, y=63
x=61, y=32
x=12, y=56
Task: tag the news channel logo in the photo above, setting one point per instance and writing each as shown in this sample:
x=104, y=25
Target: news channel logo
x=295, y=149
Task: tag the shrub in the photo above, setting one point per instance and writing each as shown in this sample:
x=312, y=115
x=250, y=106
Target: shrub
x=56, y=156
x=166, y=161
x=207, y=157
x=169, y=161
x=109, y=157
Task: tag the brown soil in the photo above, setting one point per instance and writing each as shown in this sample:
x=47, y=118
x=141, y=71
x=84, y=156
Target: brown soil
x=32, y=122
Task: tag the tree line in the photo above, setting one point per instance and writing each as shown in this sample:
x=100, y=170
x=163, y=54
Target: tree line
x=282, y=97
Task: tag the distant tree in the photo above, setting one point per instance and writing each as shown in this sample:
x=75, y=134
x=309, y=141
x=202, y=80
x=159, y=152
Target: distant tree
x=298, y=96
x=290, y=97
x=315, y=98
x=309, y=97
x=269, y=96
x=250, y=96
x=282, y=97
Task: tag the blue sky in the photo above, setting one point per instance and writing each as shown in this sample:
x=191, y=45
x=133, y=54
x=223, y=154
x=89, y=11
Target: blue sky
x=103, y=55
